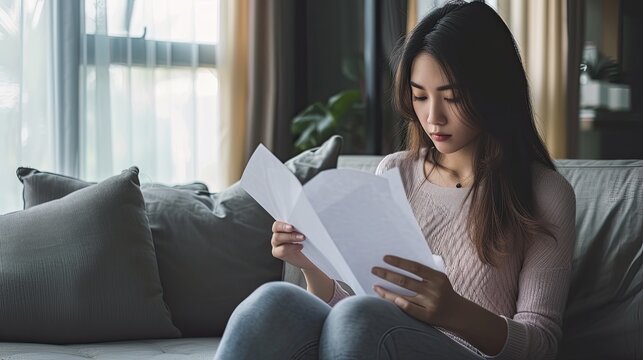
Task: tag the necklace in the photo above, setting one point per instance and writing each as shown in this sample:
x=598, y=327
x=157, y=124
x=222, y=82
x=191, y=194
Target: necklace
x=460, y=181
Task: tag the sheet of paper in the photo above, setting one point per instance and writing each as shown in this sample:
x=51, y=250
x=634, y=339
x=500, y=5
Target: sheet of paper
x=280, y=193
x=368, y=217
x=399, y=195
x=319, y=248
x=351, y=218
x=270, y=183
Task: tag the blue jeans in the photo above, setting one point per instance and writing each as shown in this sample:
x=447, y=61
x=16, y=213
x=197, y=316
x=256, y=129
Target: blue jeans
x=282, y=321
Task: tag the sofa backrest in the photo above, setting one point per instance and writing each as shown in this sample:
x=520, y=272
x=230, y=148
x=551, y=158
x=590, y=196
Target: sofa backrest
x=603, y=314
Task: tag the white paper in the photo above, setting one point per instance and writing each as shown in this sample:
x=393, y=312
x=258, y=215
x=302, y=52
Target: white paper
x=350, y=218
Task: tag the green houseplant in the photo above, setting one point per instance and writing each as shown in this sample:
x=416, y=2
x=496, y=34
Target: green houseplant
x=343, y=114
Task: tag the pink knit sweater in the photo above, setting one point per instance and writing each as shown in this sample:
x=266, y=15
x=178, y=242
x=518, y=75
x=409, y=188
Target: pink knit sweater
x=528, y=289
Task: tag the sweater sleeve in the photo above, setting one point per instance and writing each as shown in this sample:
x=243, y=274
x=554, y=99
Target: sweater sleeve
x=388, y=162
x=338, y=294
x=536, y=328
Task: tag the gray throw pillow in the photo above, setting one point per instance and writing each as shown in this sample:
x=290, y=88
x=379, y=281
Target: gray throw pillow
x=213, y=250
x=41, y=186
x=82, y=269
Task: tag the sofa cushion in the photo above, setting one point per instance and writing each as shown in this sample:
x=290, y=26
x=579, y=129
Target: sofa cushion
x=213, y=250
x=161, y=349
x=603, y=315
x=82, y=269
x=41, y=186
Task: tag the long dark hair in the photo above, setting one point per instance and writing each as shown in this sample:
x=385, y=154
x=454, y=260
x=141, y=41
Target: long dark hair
x=479, y=56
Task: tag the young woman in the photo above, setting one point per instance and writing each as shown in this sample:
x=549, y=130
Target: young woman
x=489, y=201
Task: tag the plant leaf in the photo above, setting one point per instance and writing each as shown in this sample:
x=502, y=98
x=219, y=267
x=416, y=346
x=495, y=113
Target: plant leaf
x=309, y=117
x=339, y=104
x=306, y=139
x=326, y=126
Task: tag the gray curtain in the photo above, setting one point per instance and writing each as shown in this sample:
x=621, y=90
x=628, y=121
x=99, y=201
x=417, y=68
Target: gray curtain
x=277, y=73
x=575, y=39
x=393, y=17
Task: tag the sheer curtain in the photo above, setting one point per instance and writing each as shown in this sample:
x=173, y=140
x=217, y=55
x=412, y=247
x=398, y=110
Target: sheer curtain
x=149, y=90
x=27, y=104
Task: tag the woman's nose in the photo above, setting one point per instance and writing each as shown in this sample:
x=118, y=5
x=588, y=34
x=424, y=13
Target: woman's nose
x=436, y=115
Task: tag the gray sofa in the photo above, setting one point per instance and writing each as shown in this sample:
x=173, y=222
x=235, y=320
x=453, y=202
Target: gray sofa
x=603, y=316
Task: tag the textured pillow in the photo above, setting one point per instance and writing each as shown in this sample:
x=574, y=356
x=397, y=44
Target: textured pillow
x=82, y=269
x=213, y=250
x=41, y=187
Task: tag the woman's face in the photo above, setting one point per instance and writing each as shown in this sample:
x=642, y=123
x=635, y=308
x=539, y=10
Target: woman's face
x=437, y=109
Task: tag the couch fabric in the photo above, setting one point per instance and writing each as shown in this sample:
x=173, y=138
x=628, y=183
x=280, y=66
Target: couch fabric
x=74, y=272
x=164, y=349
x=603, y=316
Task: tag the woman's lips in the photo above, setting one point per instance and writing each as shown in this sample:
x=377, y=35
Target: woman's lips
x=440, y=137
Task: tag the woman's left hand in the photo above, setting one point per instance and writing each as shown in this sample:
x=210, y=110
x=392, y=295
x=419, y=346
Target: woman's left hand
x=435, y=303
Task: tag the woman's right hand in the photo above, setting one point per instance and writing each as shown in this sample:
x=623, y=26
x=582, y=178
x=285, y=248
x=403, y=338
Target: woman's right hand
x=286, y=245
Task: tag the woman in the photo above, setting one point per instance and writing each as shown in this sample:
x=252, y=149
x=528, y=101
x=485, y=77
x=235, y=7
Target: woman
x=488, y=199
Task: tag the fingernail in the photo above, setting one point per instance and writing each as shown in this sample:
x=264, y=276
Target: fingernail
x=288, y=227
x=300, y=237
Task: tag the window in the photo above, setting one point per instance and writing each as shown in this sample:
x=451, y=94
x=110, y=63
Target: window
x=150, y=89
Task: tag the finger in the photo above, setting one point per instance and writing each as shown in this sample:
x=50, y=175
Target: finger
x=403, y=302
x=391, y=295
x=385, y=294
x=286, y=250
x=280, y=226
x=281, y=238
x=413, y=267
x=398, y=279
x=412, y=308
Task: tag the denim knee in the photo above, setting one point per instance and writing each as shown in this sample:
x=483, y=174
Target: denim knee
x=354, y=327
x=360, y=310
x=276, y=292
x=357, y=316
x=281, y=319
x=268, y=298
x=367, y=327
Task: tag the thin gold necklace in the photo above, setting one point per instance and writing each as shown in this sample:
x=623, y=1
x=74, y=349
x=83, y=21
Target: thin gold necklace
x=460, y=181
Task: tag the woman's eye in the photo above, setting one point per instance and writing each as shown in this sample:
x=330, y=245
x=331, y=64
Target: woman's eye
x=419, y=98
x=452, y=100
